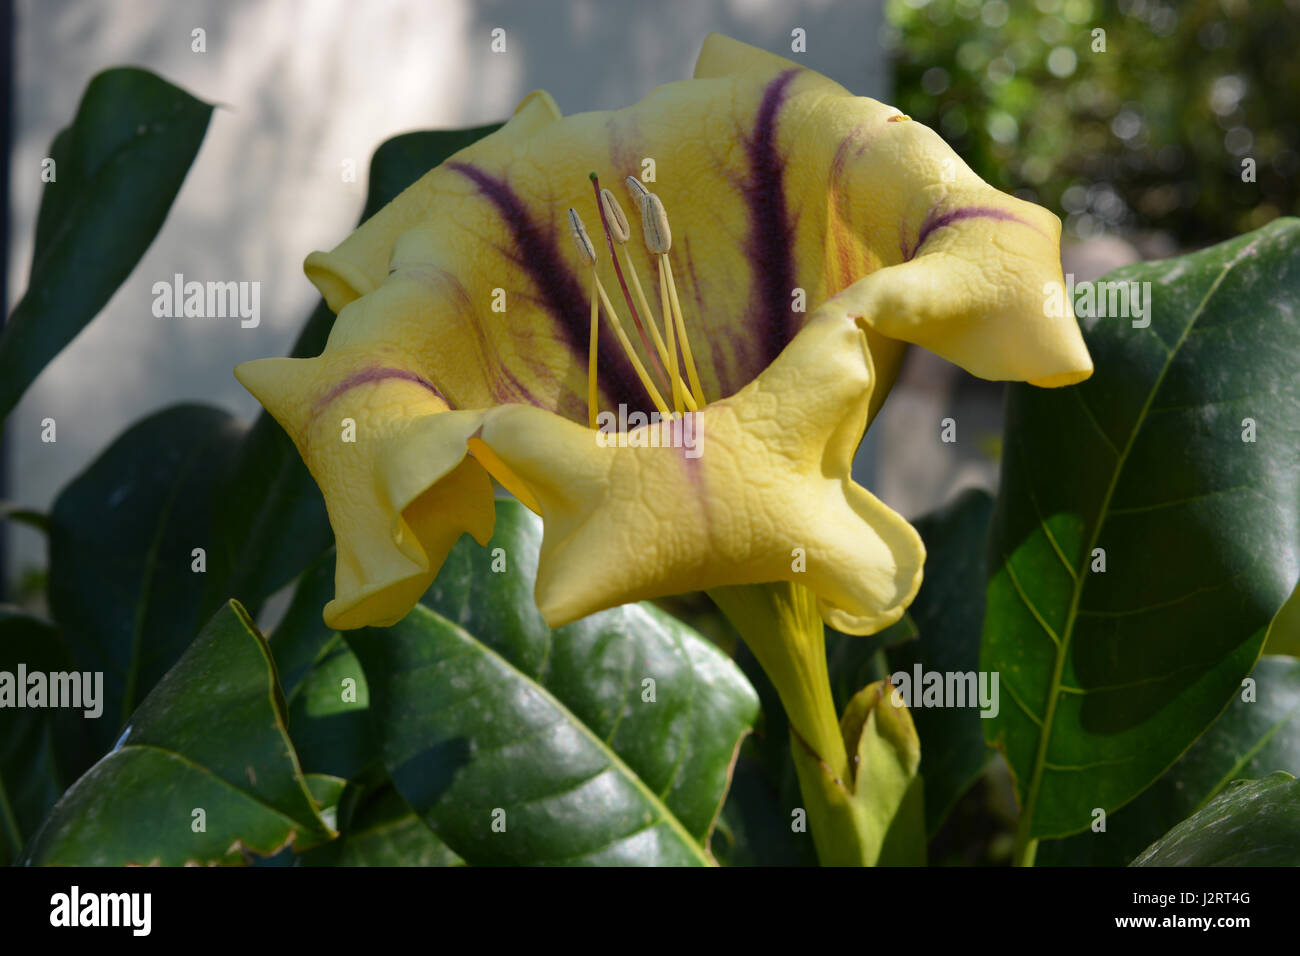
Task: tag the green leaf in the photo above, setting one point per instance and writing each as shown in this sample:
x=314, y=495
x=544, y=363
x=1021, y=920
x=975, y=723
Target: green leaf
x=483, y=708
x=210, y=736
x=329, y=718
x=36, y=520
x=949, y=614
x=1108, y=677
x=122, y=537
x=42, y=750
x=1252, y=823
x=1284, y=632
x=382, y=830
x=119, y=167
x=122, y=533
x=1258, y=734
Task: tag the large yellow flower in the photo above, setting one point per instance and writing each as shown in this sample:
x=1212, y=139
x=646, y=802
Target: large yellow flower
x=465, y=330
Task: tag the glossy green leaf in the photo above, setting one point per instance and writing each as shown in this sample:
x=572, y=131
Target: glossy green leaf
x=1258, y=734
x=382, y=830
x=210, y=736
x=42, y=750
x=122, y=584
x=119, y=167
x=1251, y=823
x=324, y=686
x=1107, y=677
x=606, y=741
x=949, y=614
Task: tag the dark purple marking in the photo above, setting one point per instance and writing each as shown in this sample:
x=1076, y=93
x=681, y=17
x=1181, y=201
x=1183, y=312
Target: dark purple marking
x=561, y=294
x=369, y=376
x=771, y=239
x=934, y=222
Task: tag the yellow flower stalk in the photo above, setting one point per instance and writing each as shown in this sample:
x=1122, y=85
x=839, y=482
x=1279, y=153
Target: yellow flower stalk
x=787, y=240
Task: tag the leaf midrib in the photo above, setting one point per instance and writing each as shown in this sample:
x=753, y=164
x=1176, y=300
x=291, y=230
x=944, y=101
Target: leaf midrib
x=616, y=761
x=1025, y=824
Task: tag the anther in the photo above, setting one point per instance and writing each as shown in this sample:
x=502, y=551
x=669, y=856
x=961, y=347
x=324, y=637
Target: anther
x=582, y=241
x=618, y=226
x=638, y=191
x=654, y=222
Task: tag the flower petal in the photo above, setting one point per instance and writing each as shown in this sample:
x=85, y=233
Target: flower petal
x=781, y=187
x=769, y=497
x=390, y=461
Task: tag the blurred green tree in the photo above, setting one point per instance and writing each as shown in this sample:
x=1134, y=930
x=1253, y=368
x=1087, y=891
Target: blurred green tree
x=1122, y=116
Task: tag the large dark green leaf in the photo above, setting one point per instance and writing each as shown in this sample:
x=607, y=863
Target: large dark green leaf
x=211, y=736
x=483, y=708
x=119, y=166
x=122, y=537
x=382, y=830
x=1251, y=823
x=323, y=683
x=42, y=750
x=949, y=612
x=1108, y=677
x=1258, y=734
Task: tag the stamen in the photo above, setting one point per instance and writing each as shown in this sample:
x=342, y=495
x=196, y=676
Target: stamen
x=618, y=271
x=654, y=223
x=593, y=391
x=696, y=388
x=638, y=191
x=622, y=233
x=679, y=391
x=614, y=214
x=631, y=352
x=587, y=252
x=659, y=240
x=586, y=249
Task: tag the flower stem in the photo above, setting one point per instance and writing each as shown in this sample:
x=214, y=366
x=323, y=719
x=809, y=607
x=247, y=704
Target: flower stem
x=782, y=627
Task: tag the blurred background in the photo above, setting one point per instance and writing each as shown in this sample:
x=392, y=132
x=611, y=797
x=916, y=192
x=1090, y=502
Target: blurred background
x=1131, y=120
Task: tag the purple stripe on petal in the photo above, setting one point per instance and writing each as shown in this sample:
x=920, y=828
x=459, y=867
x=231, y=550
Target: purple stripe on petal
x=936, y=220
x=561, y=294
x=771, y=240
x=371, y=375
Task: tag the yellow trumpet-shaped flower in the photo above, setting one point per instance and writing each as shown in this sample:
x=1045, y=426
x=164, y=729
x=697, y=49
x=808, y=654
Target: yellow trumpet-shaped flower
x=813, y=234
x=751, y=488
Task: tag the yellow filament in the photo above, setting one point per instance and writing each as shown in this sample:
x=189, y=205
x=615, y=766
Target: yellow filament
x=694, y=376
x=631, y=354
x=593, y=392
x=645, y=307
x=679, y=390
x=667, y=353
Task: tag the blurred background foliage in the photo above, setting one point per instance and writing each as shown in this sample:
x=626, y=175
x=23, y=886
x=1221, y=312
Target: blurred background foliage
x=1148, y=136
